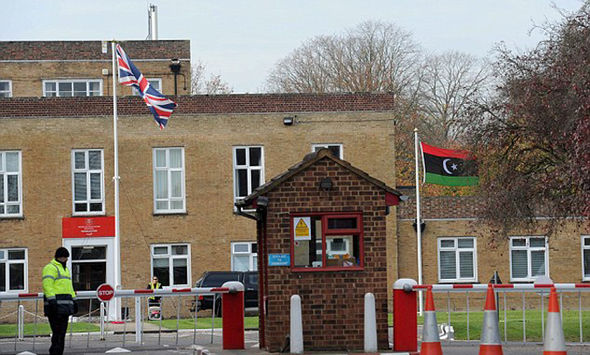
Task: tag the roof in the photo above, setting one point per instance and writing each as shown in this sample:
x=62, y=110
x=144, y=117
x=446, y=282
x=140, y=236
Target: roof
x=309, y=160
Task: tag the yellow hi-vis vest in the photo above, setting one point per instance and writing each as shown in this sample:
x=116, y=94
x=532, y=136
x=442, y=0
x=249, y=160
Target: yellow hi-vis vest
x=158, y=285
x=57, y=285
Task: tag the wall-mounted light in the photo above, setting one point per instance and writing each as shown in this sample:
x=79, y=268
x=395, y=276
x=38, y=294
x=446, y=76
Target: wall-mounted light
x=288, y=121
x=422, y=226
x=175, y=68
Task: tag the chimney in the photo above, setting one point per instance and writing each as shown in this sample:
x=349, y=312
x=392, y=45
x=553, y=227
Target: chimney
x=152, y=22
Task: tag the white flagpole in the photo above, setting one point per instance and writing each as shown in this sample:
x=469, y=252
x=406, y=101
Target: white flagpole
x=117, y=251
x=418, y=220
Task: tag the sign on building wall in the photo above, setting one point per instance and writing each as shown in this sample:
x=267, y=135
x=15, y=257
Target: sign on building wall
x=279, y=260
x=86, y=227
x=302, y=228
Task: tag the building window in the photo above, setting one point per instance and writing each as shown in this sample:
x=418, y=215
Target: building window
x=5, y=88
x=68, y=88
x=327, y=241
x=248, y=170
x=155, y=83
x=88, y=181
x=586, y=257
x=336, y=149
x=169, y=180
x=171, y=264
x=528, y=258
x=13, y=270
x=244, y=256
x=10, y=184
x=457, y=259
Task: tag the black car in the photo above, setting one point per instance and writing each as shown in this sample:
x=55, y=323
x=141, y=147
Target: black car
x=217, y=278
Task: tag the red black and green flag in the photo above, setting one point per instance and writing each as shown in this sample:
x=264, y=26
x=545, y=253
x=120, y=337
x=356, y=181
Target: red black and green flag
x=448, y=167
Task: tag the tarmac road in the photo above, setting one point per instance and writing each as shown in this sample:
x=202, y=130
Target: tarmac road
x=90, y=344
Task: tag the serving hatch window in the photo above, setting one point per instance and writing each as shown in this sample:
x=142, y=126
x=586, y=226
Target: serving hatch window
x=327, y=241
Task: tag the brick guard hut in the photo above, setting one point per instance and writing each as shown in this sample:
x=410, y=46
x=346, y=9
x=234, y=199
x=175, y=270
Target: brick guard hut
x=321, y=233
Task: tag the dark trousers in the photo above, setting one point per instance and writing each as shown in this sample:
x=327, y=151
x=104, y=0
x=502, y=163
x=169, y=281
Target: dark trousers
x=59, y=327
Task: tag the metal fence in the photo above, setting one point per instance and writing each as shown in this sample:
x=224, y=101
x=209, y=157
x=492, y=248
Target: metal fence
x=463, y=301
x=24, y=313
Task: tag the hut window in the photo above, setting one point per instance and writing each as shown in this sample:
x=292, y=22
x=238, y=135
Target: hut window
x=330, y=241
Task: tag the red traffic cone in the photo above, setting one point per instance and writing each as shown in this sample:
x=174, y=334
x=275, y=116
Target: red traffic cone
x=430, y=339
x=554, y=339
x=490, y=335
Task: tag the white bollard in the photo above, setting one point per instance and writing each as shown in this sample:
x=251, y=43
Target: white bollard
x=296, y=331
x=370, y=324
x=21, y=322
x=102, y=315
x=138, y=320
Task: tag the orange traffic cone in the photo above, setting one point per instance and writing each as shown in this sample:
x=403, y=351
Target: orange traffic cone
x=490, y=336
x=430, y=339
x=554, y=339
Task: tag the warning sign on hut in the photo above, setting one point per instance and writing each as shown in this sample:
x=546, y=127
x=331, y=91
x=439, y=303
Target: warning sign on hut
x=302, y=226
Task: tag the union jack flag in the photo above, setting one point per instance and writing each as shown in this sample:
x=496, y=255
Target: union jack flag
x=129, y=75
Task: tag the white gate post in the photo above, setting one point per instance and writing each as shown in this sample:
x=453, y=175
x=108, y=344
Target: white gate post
x=370, y=324
x=296, y=336
x=102, y=315
x=21, y=322
x=138, y=320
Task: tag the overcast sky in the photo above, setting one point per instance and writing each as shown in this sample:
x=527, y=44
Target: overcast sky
x=242, y=39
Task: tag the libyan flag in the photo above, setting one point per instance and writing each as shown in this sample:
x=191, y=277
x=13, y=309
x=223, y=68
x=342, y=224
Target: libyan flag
x=448, y=167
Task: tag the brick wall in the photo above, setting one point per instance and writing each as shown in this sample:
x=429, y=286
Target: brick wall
x=332, y=301
x=247, y=103
x=457, y=217
x=28, y=63
x=84, y=50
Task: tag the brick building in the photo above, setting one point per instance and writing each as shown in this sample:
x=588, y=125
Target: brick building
x=83, y=68
x=178, y=186
x=328, y=219
x=457, y=247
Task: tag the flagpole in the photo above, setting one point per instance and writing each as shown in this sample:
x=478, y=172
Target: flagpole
x=117, y=251
x=418, y=219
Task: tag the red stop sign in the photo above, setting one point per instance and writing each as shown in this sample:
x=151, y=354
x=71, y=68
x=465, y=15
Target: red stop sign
x=105, y=292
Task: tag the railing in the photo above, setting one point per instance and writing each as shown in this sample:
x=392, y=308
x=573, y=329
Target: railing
x=512, y=294
x=110, y=334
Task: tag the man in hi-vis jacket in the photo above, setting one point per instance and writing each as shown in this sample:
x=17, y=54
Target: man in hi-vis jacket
x=59, y=298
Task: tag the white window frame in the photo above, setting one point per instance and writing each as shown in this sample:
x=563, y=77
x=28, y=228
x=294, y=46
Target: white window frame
x=25, y=262
x=169, y=171
x=151, y=81
x=171, y=258
x=252, y=257
x=328, y=145
x=457, y=251
x=529, y=249
x=4, y=175
x=87, y=171
x=9, y=88
x=72, y=81
x=585, y=247
x=248, y=167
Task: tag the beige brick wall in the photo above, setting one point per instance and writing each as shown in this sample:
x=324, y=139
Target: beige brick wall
x=209, y=224
x=493, y=250
x=27, y=77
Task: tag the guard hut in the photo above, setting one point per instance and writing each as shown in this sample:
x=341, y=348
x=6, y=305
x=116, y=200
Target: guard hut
x=321, y=235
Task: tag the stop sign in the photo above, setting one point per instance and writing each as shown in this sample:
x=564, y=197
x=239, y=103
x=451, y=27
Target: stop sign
x=105, y=292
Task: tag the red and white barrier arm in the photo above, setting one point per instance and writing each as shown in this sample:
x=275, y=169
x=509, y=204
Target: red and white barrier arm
x=124, y=293
x=504, y=287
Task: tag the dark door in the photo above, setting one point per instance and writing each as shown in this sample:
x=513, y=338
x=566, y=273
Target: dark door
x=89, y=270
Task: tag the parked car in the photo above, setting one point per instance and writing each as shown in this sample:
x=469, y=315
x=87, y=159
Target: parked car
x=217, y=278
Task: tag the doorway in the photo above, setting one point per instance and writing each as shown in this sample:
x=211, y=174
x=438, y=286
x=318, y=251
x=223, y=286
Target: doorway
x=89, y=270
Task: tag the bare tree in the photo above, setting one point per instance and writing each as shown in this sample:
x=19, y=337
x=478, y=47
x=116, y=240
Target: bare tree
x=372, y=57
x=451, y=82
x=210, y=86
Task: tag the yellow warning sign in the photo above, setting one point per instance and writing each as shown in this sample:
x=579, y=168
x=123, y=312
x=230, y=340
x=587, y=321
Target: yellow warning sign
x=302, y=230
